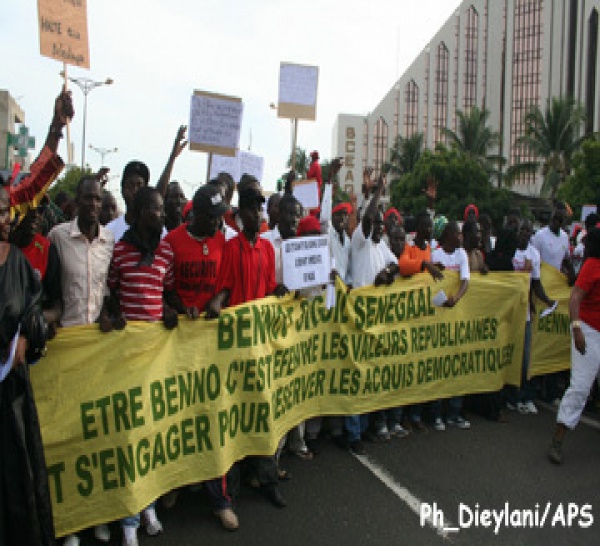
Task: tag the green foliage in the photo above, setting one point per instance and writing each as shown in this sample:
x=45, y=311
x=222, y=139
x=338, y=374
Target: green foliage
x=583, y=187
x=404, y=155
x=302, y=162
x=552, y=135
x=461, y=180
x=68, y=182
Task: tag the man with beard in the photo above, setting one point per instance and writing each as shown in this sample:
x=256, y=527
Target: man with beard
x=175, y=200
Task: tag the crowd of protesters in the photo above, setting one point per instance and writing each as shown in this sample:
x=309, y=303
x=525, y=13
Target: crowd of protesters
x=77, y=261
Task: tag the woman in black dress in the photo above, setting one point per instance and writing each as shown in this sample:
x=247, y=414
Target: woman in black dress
x=25, y=509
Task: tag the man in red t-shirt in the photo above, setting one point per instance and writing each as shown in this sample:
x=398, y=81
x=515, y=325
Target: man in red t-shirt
x=248, y=273
x=315, y=171
x=198, y=249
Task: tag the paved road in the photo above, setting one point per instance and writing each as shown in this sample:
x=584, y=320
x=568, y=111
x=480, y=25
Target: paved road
x=342, y=499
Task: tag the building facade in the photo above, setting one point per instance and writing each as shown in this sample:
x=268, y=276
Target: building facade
x=10, y=114
x=502, y=55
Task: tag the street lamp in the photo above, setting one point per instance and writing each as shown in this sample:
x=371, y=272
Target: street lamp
x=103, y=152
x=86, y=85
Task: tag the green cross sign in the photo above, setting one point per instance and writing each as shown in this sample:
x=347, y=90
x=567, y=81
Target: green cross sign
x=22, y=142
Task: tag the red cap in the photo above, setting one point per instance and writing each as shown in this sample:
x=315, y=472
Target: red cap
x=342, y=206
x=186, y=210
x=392, y=211
x=308, y=224
x=471, y=207
x=314, y=154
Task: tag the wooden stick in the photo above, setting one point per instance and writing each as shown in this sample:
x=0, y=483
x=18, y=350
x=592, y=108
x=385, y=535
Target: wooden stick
x=69, y=150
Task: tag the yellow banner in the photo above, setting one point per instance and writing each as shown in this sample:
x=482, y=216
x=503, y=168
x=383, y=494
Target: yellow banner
x=129, y=415
x=551, y=335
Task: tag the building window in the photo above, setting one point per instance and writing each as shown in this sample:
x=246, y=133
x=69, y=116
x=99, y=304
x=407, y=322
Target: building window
x=426, y=98
x=470, y=71
x=380, y=145
x=526, y=78
x=592, y=65
x=572, y=48
x=440, y=97
x=411, y=109
x=365, y=143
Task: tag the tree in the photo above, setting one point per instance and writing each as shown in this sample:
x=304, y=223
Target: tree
x=552, y=136
x=68, y=182
x=475, y=139
x=583, y=187
x=461, y=180
x=404, y=155
x=302, y=162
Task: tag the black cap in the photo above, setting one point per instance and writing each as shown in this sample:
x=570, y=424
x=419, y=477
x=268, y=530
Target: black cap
x=136, y=168
x=208, y=200
x=249, y=198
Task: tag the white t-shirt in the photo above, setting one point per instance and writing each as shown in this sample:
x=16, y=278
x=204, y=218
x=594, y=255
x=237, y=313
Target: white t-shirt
x=341, y=254
x=457, y=261
x=518, y=261
x=274, y=237
x=553, y=248
x=119, y=226
x=368, y=258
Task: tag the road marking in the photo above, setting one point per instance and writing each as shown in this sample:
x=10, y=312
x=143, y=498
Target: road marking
x=583, y=419
x=443, y=529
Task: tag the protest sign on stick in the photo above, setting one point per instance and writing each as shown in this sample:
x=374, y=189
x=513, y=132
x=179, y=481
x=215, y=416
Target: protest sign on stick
x=298, y=91
x=215, y=123
x=242, y=163
x=64, y=32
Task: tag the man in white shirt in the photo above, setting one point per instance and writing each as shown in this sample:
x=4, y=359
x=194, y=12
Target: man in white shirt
x=372, y=262
x=552, y=242
x=339, y=242
x=527, y=258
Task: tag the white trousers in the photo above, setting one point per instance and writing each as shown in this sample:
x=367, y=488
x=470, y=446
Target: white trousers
x=584, y=369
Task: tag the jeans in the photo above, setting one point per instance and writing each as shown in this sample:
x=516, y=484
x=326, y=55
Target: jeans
x=134, y=521
x=356, y=425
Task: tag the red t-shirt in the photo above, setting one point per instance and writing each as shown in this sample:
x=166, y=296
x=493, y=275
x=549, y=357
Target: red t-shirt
x=196, y=265
x=315, y=173
x=589, y=281
x=248, y=272
x=37, y=253
x=141, y=286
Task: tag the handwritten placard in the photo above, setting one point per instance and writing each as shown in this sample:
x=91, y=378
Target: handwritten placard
x=298, y=91
x=306, y=262
x=242, y=163
x=251, y=164
x=215, y=123
x=64, y=31
x=307, y=192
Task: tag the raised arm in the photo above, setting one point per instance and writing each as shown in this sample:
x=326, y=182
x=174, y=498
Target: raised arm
x=178, y=146
x=369, y=215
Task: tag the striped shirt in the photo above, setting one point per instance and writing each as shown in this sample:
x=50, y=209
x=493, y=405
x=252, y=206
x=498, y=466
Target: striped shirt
x=140, y=287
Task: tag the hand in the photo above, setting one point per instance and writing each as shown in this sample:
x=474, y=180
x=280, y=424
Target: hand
x=579, y=340
x=335, y=167
x=192, y=312
x=180, y=142
x=450, y=302
x=280, y=290
x=381, y=278
x=367, y=180
x=213, y=308
x=120, y=322
x=63, y=108
x=20, y=352
x=170, y=317
x=433, y=271
x=484, y=269
x=105, y=323
x=102, y=176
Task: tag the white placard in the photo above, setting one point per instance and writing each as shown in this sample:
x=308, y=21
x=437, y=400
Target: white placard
x=307, y=192
x=298, y=84
x=236, y=166
x=251, y=164
x=215, y=123
x=306, y=262
x=326, y=204
x=225, y=164
x=586, y=210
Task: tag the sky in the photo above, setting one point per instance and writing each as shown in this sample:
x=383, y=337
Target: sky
x=159, y=51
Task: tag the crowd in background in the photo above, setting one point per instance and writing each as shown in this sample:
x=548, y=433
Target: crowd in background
x=78, y=260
